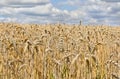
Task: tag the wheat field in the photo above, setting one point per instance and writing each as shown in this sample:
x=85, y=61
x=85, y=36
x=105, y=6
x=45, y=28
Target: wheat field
x=59, y=51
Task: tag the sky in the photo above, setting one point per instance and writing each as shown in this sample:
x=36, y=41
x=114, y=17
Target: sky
x=105, y=12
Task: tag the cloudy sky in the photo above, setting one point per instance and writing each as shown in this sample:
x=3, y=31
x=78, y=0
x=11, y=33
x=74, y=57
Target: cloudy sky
x=64, y=11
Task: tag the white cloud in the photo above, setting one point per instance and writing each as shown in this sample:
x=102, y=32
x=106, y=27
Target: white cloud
x=43, y=11
x=22, y=1
x=111, y=0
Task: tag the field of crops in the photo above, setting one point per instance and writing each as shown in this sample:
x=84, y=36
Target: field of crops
x=59, y=51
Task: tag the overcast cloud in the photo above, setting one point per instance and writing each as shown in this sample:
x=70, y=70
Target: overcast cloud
x=65, y=11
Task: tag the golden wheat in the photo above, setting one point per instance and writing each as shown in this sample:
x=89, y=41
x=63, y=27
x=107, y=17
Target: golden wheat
x=59, y=51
